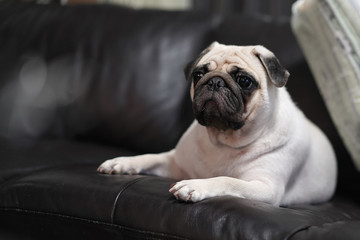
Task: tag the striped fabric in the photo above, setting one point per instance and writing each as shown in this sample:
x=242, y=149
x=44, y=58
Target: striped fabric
x=329, y=34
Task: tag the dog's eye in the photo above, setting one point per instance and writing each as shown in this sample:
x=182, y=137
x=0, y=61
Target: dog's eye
x=244, y=82
x=197, y=76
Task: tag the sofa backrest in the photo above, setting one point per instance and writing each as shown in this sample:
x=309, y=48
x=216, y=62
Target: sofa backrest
x=99, y=73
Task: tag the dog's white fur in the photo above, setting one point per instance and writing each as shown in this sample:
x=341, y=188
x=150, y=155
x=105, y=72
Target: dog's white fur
x=278, y=156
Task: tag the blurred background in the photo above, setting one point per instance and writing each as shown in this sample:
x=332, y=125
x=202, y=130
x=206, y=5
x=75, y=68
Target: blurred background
x=265, y=9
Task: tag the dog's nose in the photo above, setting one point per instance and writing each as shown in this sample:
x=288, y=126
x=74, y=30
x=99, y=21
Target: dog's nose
x=216, y=83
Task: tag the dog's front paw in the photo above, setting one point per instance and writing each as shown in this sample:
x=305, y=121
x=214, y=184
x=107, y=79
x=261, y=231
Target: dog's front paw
x=120, y=165
x=191, y=190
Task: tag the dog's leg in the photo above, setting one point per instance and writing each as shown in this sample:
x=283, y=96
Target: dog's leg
x=195, y=190
x=162, y=164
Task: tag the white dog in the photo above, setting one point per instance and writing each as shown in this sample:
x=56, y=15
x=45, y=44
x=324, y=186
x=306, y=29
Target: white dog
x=249, y=139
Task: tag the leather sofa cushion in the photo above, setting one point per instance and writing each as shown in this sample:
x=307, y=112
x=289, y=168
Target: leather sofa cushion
x=134, y=207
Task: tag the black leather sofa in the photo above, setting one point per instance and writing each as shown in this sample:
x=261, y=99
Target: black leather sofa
x=82, y=84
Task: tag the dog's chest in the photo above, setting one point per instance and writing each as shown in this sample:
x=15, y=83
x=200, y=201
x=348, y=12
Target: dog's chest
x=200, y=157
x=216, y=161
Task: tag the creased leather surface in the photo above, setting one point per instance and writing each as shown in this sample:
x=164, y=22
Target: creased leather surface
x=66, y=190
x=144, y=203
x=223, y=217
x=337, y=230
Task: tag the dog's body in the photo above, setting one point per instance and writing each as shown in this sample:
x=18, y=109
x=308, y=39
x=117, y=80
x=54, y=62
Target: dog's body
x=249, y=139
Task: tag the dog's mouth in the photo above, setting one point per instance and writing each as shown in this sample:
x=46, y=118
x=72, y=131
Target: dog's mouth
x=211, y=115
x=218, y=102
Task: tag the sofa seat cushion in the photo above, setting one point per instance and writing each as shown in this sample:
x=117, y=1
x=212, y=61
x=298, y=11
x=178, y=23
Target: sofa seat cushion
x=23, y=156
x=140, y=206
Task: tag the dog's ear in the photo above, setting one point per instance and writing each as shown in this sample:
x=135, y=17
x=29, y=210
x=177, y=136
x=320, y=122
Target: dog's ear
x=191, y=65
x=276, y=72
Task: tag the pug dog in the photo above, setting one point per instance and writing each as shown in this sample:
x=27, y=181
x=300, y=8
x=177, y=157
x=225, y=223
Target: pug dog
x=249, y=139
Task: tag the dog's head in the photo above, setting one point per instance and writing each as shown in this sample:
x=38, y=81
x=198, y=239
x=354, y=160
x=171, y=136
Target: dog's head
x=232, y=84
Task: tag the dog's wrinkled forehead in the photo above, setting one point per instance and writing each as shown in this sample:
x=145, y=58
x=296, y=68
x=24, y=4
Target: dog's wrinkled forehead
x=225, y=57
x=253, y=59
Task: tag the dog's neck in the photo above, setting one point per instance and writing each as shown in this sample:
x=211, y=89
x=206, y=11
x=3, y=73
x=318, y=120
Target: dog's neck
x=232, y=138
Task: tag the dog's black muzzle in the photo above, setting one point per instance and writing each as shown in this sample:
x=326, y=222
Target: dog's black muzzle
x=218, y=101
